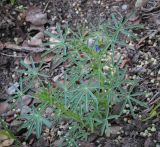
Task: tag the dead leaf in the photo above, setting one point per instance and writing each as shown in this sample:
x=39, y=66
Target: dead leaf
x=140, y=3
x=4, y=107
x=135, y=20
x=36, y=17
x=3, y=135
x=7, y=142
x=37, y=58
x=10, y=119
x=39, y=35
x=25, y=101
x=5, y=138
x=36, y=40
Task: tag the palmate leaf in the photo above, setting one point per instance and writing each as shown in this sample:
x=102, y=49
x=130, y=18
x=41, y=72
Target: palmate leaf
x=82, y=96
x=142, y=104
x=31, y=70
x=34, y=122
x=130, y=100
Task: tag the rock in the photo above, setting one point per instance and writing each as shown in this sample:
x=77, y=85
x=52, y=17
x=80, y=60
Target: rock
x=13, y=88
x=115, y=129
x=91, y=42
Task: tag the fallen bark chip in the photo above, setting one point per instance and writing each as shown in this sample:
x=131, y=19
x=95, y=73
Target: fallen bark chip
x=4, y=107
x=15, y=47
x=38, y=57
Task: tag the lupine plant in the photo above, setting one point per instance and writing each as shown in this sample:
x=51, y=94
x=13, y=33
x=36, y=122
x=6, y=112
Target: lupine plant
x=89, y=93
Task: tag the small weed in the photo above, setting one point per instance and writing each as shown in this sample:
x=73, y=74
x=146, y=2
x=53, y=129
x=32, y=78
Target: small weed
x=89, y=91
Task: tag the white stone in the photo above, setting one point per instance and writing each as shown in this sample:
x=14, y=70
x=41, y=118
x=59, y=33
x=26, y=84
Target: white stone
x=124, y=7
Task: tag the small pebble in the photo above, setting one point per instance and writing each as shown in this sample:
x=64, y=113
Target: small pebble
x=153, y=129
x=124, y=7
x=153, y=80
x=12, y=89
x=152, y=73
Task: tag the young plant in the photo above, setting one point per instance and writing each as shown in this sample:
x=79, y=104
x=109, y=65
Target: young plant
x=34, y=121
x=89, y=91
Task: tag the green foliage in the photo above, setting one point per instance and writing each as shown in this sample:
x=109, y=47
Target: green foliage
x=154, y=112
x=48, y=97
x=13, y=2
x=32, y=71
x=7, y=132
x=34, y=121
x=89, y=92
x=75, y=133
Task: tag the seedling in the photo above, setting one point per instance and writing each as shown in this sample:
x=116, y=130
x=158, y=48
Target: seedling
x=88, y=92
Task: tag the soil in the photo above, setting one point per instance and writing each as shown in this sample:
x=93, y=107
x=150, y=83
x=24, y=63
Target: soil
x=87, y=12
